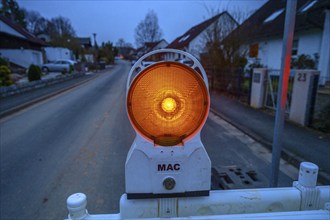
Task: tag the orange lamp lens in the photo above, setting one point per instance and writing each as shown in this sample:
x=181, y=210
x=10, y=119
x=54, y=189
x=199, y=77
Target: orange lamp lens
x=168, y=103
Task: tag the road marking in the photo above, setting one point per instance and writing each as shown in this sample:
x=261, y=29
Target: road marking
x=258, y=149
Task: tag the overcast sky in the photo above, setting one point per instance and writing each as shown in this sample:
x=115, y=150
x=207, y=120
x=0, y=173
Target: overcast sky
x=112, y=20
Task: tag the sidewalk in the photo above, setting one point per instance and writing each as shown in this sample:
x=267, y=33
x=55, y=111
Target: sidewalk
x=299, y=143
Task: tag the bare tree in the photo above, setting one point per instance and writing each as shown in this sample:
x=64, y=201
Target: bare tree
x=61, y=26
x=62, y=33
x=41, y=26
x=223, y=43
x=122, y=43
x=35, y=23
x=148, y=30
x=221, y=39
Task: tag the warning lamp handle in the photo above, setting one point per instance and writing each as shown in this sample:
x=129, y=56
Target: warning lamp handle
x=139, y=67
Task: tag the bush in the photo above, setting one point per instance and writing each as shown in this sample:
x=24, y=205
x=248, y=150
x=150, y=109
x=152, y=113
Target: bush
x=71, y=69
x=3, y=62
x=323, y=121
x=5, y=79
x=303, y=62
x=34, y=73
x=93, y=67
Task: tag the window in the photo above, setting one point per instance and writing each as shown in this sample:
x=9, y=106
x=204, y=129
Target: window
x=295, y=48
x=308, y=6
x=253, y=52
x=274, y=15
x=184, y=38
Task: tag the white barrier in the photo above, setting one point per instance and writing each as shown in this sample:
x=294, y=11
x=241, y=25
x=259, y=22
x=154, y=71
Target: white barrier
x=304, y=200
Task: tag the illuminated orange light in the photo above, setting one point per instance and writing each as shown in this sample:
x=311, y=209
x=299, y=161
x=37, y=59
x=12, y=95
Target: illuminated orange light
x=168, y=103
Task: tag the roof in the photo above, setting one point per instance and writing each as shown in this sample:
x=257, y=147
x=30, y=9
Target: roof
x=28, y=36
x=147, y=47
x=151, y=44
x=84, y=40
x=268, y=20
x=185, y=39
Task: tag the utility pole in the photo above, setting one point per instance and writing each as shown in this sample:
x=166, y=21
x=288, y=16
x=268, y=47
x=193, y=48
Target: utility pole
x=95, y=44
x=290, y=16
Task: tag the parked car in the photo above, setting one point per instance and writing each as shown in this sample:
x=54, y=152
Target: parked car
x=63, y=66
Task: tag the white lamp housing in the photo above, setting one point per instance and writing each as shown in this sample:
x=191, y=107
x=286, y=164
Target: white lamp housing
x=153, y=171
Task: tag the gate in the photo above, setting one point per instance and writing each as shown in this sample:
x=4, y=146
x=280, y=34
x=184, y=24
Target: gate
x=273, y=77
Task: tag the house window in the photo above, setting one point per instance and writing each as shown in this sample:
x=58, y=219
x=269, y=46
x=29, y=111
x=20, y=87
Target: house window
x=274, y=15
x=254, y=48
x=308, y=6
x=294, y=48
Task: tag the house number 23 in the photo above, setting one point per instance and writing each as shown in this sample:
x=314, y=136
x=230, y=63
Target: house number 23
x=301, y=77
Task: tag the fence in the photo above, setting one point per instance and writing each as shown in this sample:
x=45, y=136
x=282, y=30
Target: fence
x=232, y=81
x=273, y=77
x=237, y=84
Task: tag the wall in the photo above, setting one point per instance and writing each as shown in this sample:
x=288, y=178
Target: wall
x=197, y=46
x=161, y=45
x=172, y=56
x=270, y=50
x=56, y=53
x=310, y=43
x=23, y=57
x=270, y=53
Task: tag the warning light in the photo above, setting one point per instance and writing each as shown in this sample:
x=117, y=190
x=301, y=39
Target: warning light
x=168, y=103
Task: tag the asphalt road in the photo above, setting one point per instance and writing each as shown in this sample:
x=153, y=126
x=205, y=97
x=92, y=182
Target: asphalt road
x=78, y=141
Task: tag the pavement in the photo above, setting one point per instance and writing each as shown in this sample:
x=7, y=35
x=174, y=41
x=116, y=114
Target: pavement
x=299, y=143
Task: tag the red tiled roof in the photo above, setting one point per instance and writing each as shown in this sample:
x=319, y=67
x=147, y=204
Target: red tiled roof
x=184, y=40
x=151, y=44
x=28, y=36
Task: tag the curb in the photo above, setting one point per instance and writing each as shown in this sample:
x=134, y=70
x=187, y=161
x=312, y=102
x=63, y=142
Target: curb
x=294, y=160
x=42, y=98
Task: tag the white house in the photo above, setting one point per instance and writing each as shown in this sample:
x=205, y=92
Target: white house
x=19, y=46
x=150, y=46
x=262, y=34
x=195, y=39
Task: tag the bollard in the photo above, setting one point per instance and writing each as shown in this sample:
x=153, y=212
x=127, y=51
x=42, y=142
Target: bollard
x=310, y=194
x=308, y=174
x=76, y=204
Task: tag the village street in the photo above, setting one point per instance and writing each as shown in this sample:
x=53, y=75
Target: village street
x=78, y=141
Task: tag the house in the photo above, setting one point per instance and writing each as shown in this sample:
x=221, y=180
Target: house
x=150, y=46
x=262, y=34
x=126, y=52
x=195, y=39
x=86, y=49
x=85, y=42
x=19, y=46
